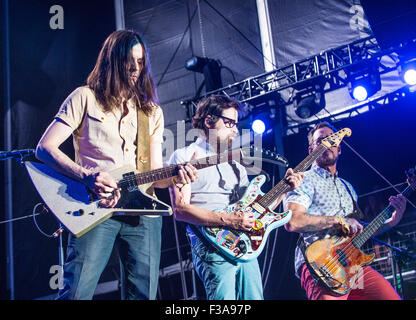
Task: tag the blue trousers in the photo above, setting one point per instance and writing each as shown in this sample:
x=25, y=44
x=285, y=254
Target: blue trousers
x=139, y=248
x=224, y=279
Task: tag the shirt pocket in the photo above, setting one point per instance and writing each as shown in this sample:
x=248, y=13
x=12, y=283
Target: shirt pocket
x=97, y=125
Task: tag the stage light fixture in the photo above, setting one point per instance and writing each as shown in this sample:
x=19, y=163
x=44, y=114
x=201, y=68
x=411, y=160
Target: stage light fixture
x=210, y=68
x=197, y=64
x=364, y=81
x=359, y=93
x=407, y=71
x=309, y=100
x=258, y=126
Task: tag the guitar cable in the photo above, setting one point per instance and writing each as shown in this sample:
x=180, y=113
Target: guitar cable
x=34, y=214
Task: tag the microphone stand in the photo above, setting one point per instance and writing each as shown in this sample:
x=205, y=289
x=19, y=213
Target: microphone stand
x=20, y=156
x=398, y=256
x=16, y=154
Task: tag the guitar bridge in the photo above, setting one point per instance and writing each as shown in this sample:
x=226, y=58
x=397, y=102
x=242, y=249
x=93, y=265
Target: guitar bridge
x=329, y=278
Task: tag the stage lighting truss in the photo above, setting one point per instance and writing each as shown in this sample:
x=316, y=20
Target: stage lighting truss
x=332, y=64
x=370, y=104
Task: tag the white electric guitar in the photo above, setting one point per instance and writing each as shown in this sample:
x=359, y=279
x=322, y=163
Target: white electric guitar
x=76, y=207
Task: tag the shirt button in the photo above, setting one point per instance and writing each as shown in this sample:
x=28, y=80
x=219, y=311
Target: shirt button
x=127, y=149
x=102, y=118
x=122, y=122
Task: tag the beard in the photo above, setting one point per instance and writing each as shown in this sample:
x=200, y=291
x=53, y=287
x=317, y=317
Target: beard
x=224, y=144
x=328, y=158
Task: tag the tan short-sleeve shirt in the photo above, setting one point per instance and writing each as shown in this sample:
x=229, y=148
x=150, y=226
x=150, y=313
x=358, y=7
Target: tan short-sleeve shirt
x=105, y=140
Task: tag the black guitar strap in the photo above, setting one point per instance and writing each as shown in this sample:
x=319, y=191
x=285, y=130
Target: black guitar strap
x=357, y=213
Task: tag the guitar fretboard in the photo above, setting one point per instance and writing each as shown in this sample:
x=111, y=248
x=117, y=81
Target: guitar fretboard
x=282, y=186
x=377, y=223
x=135, y=179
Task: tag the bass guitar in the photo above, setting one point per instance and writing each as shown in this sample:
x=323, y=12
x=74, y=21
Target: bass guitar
x=336, y=261
x=244, y=246
x=76, y=207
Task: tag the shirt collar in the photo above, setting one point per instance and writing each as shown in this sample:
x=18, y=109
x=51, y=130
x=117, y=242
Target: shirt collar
x=203, y=144
x=322, y=172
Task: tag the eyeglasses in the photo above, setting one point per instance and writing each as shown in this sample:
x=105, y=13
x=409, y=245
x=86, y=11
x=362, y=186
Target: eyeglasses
x=228, y=122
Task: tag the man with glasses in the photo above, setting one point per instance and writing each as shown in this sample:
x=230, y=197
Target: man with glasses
x=216, y=188
x=320, y=207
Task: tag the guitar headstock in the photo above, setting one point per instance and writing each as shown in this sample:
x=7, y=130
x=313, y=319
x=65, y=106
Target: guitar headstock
x=411, y=177
x=334, y=140
x=265, y=155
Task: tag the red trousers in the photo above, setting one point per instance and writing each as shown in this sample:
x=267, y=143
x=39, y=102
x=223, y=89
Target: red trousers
x=371, y=285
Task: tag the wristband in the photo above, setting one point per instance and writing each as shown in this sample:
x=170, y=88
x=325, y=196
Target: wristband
x=179, y=187
x=344, y=226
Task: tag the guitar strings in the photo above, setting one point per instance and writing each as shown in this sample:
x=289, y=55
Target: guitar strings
x=332, y=265
x=169, y=171
x=281, y=187
x=349, y=248
x=371, y=227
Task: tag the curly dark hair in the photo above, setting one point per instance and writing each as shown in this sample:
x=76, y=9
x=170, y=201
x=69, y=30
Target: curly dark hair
x=214, y=105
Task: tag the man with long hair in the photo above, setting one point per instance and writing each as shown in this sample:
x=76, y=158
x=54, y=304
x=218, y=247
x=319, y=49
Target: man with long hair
x=103, y=118
x=218, y=186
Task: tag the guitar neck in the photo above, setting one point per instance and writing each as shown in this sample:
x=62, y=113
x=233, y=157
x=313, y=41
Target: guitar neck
x=172, y=171
x=282, y=187
x=378, y=222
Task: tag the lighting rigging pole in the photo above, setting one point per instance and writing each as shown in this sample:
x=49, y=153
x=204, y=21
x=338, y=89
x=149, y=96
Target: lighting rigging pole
x=269, y=60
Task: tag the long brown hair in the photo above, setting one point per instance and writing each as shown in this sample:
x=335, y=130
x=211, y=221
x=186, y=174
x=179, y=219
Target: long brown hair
x=110, y=79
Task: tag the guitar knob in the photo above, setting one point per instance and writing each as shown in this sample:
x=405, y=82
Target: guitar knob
x=242, y=246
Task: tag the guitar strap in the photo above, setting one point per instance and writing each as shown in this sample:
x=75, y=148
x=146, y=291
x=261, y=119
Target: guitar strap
x=143, y=147
x=357, y=213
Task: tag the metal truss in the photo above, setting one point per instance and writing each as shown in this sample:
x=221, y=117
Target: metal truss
x=331, y=66
x=372, y=103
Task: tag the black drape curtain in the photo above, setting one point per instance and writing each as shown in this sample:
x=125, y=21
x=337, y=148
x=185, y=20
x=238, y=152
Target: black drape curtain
x=46, y=65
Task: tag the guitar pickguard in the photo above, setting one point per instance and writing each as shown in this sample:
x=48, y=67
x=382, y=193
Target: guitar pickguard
x=241, y=245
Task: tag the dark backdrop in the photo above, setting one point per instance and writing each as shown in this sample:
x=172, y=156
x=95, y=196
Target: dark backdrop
x=46, y=65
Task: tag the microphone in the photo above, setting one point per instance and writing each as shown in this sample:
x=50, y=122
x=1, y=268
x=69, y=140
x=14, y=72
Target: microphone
x=4, y=155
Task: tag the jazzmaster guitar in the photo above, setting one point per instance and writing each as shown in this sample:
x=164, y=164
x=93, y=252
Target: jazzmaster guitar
x=337, y=260
x=73, y=205
x=244, y=246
